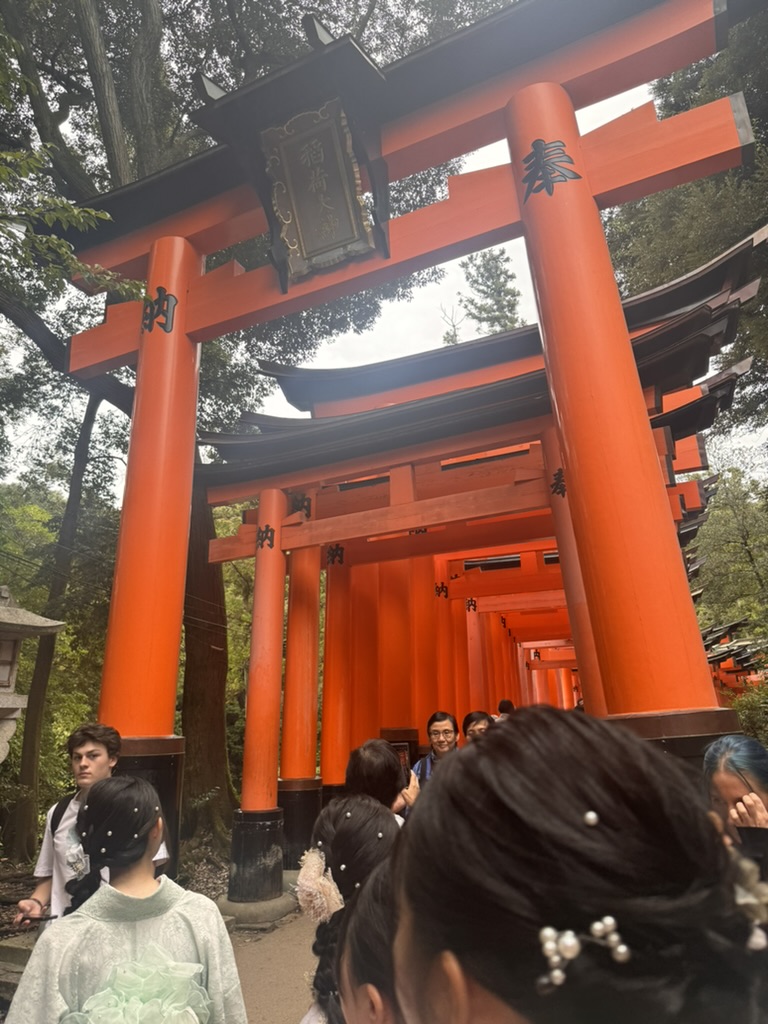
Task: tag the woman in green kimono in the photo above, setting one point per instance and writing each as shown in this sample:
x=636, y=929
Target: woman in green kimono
x=139, y=948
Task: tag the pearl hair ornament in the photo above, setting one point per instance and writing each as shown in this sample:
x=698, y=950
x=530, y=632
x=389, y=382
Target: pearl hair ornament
x=561, y=946
x=591, y=818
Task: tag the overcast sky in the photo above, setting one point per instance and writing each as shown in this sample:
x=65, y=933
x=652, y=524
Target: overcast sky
x=406, y=327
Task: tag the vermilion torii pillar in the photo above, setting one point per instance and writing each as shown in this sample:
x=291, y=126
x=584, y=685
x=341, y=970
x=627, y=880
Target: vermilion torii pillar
x=299, y=788
x=138, y=693
x=573, y=581
x=257, y=836
x=629, y=553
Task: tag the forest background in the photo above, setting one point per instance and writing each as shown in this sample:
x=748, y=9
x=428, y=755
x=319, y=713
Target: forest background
x=95, y=94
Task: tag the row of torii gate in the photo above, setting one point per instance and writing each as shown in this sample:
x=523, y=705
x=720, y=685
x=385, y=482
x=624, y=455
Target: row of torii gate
x=470, y=506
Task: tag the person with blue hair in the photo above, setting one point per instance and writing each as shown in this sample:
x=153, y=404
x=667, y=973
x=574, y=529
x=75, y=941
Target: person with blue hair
x=736, y=772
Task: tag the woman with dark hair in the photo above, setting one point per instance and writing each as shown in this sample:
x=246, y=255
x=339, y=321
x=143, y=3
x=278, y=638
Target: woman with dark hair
x=475, y=724
x=137, y=949
x=736, y=771
x=375, y=769
x=564, y=871
x=443, y=733
x=364, y=953
x=351, y=836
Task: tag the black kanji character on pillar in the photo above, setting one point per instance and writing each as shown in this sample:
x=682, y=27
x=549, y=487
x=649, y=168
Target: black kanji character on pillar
x=335, y=554
x=544, y=167
x=558, y=482
x=265, y=535
x=159, y=311
x=441, y=589
x=471, y=604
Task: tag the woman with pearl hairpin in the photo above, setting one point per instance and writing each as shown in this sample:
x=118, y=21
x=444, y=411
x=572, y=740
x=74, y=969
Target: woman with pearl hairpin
x=137, y=949
x=564, y=871
x=350, y=837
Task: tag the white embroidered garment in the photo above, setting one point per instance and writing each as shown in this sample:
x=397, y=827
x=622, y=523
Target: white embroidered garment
x=165, y=959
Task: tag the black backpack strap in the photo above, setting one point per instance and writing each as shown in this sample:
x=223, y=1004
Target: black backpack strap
x=58, y=812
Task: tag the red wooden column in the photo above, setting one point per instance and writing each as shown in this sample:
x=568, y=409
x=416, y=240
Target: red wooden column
x=446, y=662
x=573, y=581
x=460, y=704
x=257, y=836
x=539, y=686
x=423, y=645
x=364, y=638
x=476, y=665
x=395, y=644
x=633, y=573
x=337, y=678
x=141, y=660
x=565, y=683
x=300, y=790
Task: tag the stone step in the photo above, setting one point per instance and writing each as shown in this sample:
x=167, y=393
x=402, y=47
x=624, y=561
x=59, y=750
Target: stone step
x=17, y=949
x=9, y=979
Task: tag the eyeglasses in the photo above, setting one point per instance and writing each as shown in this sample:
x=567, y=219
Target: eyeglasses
x=446, y=734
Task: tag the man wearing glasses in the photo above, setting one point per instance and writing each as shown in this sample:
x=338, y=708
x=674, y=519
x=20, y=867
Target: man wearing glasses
x=443, y=733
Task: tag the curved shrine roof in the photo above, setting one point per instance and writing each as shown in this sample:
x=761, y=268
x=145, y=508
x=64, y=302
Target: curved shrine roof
x=727, y=274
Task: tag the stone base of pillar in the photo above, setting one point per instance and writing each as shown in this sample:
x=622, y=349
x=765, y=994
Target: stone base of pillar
x=159, y=760
x=301, y=801
x=685, y=734
x=256, y=863
x=329, y=792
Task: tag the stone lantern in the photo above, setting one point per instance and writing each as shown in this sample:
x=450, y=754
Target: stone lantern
x=16, y=624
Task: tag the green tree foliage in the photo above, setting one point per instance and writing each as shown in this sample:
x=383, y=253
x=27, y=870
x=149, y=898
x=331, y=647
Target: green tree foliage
x=752, y=709
x=664, y=236
x=733, y=545
x=493, y=300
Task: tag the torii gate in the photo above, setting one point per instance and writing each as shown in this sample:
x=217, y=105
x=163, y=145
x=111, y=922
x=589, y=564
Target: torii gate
x=518, y=75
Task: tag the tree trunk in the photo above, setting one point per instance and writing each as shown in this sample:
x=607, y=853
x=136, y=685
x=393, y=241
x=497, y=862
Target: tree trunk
x=209, y=798
x=105, y=387
x=104, y=92
x=21, y=841
x=145, y=72
x=77, y=184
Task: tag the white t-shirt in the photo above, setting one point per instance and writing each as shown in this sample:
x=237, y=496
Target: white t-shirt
x=61, y=856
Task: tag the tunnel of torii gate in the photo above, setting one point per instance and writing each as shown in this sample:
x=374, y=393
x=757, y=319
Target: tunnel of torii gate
x=569, y=416
x=431, y=491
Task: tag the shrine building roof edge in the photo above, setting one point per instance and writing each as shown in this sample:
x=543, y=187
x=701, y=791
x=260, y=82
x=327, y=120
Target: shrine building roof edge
x=304, y=387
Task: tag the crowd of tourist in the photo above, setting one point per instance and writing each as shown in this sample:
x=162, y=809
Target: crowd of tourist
x=554, y=870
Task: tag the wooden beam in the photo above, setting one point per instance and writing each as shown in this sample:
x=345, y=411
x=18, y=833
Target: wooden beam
x=623, y=162
x=507, y=604
x=502, y=582
x=501, y=535
x=566, y=663
x=415, y=515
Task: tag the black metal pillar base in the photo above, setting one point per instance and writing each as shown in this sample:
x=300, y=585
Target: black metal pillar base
x=329, y=792
x=684, y=734
x=159, y=760
x=301, y=801
x=256, y=864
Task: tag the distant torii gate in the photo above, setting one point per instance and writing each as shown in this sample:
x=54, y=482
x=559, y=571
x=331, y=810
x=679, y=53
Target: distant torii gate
x=518, y=75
